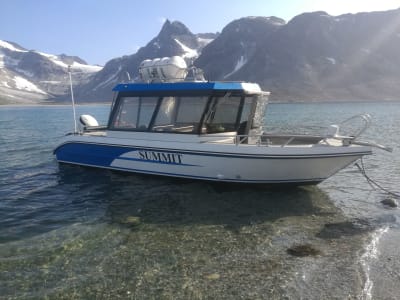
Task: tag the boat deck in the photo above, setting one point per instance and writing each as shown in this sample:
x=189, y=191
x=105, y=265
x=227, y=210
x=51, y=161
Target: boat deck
x=273, y=140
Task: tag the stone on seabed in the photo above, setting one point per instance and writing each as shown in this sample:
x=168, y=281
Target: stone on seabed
x=131, y=220
x=389, y=202
x=303, y=250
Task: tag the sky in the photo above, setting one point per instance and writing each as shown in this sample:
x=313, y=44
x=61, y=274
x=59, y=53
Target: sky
x=100, y=30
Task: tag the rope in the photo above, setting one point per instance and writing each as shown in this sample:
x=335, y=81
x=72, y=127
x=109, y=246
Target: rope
x=373, y=183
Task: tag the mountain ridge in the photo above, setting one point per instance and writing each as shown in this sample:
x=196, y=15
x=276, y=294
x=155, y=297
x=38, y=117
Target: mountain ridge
x=313, y=57
x=30, y=76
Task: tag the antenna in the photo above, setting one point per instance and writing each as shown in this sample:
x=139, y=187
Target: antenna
x=72, y=97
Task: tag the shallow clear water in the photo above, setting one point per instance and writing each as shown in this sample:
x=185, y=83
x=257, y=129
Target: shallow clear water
x=77, y=233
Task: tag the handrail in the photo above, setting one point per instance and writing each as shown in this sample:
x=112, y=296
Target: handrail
x=364, y=117
x=290, y=139
x=264, y=139
x=372, y=144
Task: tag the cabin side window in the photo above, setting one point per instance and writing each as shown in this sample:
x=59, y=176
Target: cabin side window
x=246, y=114
x=148, y=105
x=189, y=113
x=180, y=114
x=134, y=113
x=223, y=114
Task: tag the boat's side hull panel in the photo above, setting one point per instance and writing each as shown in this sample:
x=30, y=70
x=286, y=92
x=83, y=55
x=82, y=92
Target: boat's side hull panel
x=227, y=167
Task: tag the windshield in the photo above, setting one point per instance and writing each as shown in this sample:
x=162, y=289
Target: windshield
x=134, y=113
x=188, y=114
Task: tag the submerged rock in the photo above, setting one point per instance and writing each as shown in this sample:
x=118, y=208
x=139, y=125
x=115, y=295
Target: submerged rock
x=389, y=202
x=131, y=220
x=346, y=228
x=303, y=250
x=213, y=276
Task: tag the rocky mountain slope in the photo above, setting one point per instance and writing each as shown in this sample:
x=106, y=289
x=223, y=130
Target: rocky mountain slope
x=237, y=44
x=313, y=57
x=31, y=77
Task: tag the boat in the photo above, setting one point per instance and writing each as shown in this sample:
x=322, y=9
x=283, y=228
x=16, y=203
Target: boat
x=174, y=123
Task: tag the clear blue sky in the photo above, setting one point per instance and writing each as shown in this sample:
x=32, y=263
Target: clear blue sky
x=99, y=30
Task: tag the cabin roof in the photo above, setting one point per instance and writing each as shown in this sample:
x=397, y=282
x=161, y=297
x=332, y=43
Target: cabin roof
x=204, y=87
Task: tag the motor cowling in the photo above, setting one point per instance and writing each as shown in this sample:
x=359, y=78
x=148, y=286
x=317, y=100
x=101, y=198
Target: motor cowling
x=88, y=121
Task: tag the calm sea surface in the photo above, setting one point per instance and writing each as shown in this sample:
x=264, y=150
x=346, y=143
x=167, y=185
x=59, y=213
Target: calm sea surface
x=77, y=233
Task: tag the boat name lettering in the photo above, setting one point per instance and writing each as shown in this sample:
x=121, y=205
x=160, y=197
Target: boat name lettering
x=171, y=158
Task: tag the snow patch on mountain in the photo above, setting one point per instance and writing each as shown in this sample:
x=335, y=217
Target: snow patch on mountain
x=54, y=59
x=5, y=84
x=239, y=64
x=86, y=68
x=189, y=52
x=112, y=78
x=23, y=84
x=75, y=65
x=203, y=41
x=9, y=46
x=331, y=60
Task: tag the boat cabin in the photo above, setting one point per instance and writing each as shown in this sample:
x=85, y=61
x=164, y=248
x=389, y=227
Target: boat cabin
x=188, y=107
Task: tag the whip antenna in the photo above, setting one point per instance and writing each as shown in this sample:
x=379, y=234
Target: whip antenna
x=72, y=97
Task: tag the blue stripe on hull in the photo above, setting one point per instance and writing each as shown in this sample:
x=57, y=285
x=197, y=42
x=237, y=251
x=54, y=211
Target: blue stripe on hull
x=89, y=154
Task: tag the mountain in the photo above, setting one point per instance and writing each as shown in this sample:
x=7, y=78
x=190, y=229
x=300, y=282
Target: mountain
x=315, y=56
x=236, y=46
x=29, y=76
x=174, y=39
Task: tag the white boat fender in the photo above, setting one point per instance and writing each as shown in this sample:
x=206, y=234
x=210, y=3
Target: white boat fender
x=88, y=120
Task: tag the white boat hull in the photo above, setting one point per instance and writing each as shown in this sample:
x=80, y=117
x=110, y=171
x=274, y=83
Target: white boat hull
x=192, y=159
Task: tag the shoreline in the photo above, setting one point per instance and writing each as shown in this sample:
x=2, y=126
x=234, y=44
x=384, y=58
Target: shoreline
x=53, y=104
x=30, y=104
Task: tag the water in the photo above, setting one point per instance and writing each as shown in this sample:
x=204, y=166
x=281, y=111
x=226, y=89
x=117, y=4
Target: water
x=76, y=233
